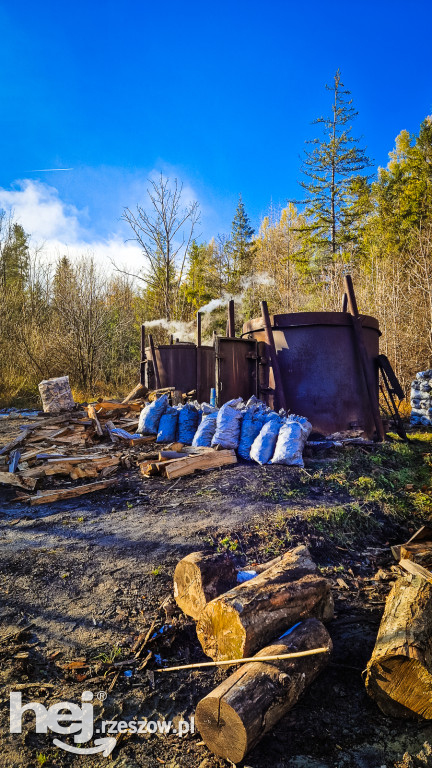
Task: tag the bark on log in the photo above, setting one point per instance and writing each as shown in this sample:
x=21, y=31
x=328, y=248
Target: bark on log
x=136, y=393
x=239, y=622
x=399, y=674
x=199, y=578
x=235, y=716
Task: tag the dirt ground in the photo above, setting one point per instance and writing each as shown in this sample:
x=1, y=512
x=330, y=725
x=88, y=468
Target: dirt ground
x=90, y=575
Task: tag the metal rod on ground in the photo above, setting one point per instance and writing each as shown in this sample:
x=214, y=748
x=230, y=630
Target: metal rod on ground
x=366, y=363
x=198, y=358
x=344, y=303
x=231, y=319
x=257, y=659
x=154, y=361
x=143, y=355
x=279, y=391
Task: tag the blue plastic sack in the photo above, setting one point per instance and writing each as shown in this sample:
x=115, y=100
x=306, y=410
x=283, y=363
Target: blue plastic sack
x=204, y=434
x=151, y=415
x=187, y=423
x=168, y=426
x=254, y=418
x=293, y=433
x=264, y=445
x=228, y=424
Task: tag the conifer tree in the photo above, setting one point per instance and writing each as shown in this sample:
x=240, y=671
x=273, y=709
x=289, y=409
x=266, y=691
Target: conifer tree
x=240, y=246
x=333, y=168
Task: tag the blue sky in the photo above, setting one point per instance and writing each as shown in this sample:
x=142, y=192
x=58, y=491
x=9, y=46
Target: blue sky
x=220, y=95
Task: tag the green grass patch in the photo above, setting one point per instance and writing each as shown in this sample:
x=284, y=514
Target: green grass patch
x=343, y=523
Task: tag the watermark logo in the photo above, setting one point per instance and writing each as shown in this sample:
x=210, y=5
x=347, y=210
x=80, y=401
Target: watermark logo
x=80, y=721
x=67, y=719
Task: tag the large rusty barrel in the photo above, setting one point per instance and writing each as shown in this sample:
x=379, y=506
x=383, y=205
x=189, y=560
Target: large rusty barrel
x=321, y=372
x=177, y=367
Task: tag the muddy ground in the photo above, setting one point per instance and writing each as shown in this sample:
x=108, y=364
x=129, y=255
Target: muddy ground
x=90, y=575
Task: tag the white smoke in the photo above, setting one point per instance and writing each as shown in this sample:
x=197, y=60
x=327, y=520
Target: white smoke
x=180, y=330
x=246, y=283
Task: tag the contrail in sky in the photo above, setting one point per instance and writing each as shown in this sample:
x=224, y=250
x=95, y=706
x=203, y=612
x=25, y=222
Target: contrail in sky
x=45, y=170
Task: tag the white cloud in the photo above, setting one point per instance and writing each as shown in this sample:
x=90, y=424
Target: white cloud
x=59, y=227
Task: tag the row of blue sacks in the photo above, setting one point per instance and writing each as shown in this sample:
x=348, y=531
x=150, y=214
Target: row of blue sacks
x=252, y=429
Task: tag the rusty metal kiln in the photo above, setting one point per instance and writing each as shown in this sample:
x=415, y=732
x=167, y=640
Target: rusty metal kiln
x=321, y=373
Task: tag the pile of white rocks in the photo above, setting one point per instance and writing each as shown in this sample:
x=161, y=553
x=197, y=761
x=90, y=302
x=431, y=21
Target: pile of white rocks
x=421, y=399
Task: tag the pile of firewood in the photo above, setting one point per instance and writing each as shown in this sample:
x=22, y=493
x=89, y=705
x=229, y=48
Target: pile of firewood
x=77, y=445
x=399, y=673
x=93, y=444
x=283, y=604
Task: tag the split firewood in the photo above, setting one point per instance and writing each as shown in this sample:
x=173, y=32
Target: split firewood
x=174, y=447
x=137, y=441
x=109, y=426
x=118, y=408
x=81, y=471
x=418, y=548
x=399, y=674
x=26, y=483
x=245, y=618
x=84, y=468
x=170, y=455
x=190, y=464
x=199, y=578
x=235, y=716
x=16, y=441
x=48, y=497
x=92, y=413
x=138, y=392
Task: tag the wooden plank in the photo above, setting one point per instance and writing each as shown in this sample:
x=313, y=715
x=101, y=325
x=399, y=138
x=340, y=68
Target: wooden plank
x=106, y=406
x=16, y=441
x=92, y=413
x=7, y=478
x=188, y=465
x=88, y=467
x=79, y=459
x=48, y=497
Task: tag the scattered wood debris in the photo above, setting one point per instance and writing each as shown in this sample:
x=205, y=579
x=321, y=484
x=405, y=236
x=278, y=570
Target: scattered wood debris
x=181, y=465
x=79, y=444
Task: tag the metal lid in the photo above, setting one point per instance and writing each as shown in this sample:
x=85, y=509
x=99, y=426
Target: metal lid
x=296, y=319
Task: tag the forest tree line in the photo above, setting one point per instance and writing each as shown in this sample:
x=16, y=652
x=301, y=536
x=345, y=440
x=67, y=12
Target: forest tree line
x=71, y=317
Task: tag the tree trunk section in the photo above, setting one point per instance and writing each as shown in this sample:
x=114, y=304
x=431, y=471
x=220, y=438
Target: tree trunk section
x=199, y=578
x=239, y=622
x=235, y=716
x=399, y=674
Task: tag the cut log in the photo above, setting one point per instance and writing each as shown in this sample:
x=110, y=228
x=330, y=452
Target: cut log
x=188, y=465
x=199, y=578
x=235, y=716
x=242, y=620
x=399, y=674
x=47, y=497
x=136, y=393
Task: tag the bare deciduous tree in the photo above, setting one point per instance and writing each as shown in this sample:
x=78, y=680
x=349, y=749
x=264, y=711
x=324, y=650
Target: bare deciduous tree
x=165, y=234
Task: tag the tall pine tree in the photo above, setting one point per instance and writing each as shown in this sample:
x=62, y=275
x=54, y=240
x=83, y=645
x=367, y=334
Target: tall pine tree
x=333, y=167
x=239, y=247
